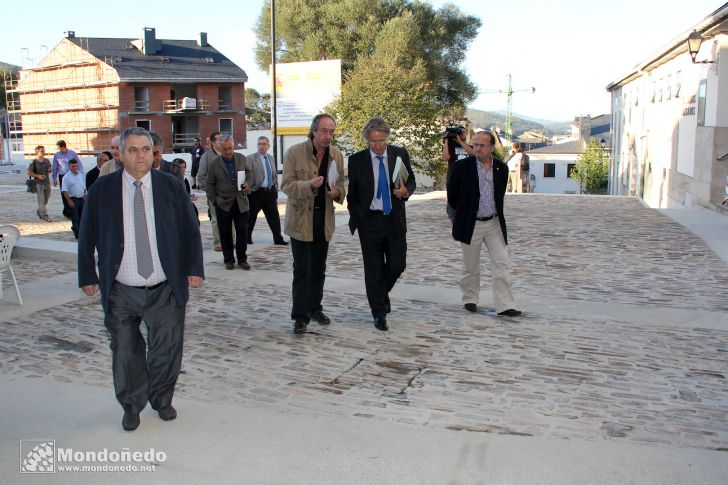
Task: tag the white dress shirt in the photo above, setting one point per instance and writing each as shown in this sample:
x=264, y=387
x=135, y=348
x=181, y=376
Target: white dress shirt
x=128, y=274
x=378, y=204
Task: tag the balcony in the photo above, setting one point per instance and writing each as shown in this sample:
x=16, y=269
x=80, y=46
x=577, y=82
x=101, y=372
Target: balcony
x=183, y=139
x=185, y=104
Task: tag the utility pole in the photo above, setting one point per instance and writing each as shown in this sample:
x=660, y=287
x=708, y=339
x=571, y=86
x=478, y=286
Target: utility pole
x=509, y=96
x=274, y=112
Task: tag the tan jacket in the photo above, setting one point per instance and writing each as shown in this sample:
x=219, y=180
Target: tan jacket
x=300, y=166
x=221, y=190
x=108, y=167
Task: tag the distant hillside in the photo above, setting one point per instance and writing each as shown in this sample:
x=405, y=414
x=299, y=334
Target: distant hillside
x=488, y=119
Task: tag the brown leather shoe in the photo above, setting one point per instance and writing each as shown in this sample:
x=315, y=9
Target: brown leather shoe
x=320, y=317
x=229, y=265
x=244, y=265
x=299, y=327
x=471, y=307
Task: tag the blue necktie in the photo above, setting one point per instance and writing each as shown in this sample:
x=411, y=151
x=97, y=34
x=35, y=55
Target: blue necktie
x=383, y=187
x=268, y=172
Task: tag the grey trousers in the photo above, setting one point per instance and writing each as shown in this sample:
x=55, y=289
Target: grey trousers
x=145, y=371
x=43, y=193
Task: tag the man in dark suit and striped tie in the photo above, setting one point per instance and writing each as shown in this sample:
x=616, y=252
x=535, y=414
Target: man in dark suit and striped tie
x=144, y=228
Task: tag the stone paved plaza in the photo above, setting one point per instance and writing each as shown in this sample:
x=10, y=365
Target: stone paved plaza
x=624, y=336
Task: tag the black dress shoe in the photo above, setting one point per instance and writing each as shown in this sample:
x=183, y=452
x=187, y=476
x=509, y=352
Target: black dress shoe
x=229, y=265
x=320, y=317
x=511, y=312
x=130, y=422
x=380, y=323
x=167, y=413
x=250, y=241
x=244, y=265
x=299, y=327
x=281, y=243
x=471, y=307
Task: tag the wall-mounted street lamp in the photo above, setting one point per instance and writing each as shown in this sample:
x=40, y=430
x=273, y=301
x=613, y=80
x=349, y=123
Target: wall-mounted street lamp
x=694, y=41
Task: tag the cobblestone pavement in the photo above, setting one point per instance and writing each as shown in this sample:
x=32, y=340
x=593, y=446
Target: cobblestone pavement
x=568, y=375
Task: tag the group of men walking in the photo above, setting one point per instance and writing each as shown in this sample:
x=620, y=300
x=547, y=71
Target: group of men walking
x=142, y=225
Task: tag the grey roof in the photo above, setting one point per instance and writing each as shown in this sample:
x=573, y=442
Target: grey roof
x=186, y=60
x=569, y=147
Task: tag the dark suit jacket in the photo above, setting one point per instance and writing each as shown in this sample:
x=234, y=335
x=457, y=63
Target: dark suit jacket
x=172, y=169
x=102, y=228
x=221, y=190
x=361, y=187
x=463, y=195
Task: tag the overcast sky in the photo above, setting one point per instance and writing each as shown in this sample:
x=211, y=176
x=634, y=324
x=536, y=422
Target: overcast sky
x=568, y=50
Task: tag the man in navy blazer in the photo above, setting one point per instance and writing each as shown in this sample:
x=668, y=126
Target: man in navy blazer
x=475, y=191
x=143, y=226
x=376, y=201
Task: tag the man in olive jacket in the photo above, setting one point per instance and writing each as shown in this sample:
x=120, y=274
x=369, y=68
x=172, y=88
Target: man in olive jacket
x=307, y=174
x=230, y=200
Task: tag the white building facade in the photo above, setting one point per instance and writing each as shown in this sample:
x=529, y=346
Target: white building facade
x=670, y=123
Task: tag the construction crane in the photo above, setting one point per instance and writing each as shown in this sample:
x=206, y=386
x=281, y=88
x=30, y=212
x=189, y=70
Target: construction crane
x=509, y=94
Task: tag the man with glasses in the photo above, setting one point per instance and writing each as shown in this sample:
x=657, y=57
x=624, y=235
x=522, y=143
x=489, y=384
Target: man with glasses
x=476, y=191
x=308, y=183
x=376, y=197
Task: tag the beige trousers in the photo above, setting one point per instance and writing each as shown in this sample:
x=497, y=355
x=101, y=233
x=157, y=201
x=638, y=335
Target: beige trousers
x=488, y=232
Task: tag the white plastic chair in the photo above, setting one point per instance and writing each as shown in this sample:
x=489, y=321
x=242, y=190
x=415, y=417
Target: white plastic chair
x=9, y=235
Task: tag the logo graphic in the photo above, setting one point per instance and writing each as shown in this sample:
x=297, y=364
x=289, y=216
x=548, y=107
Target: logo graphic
x=37, y=456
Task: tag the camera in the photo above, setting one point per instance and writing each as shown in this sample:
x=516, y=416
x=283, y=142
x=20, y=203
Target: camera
x=454, y=131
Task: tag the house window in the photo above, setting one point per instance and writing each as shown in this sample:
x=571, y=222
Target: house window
x=225, y=126
x=141, y=98
x=146, y=124
x=224, y=98
x=549, y=170
x=701, y=102
x=570, y=169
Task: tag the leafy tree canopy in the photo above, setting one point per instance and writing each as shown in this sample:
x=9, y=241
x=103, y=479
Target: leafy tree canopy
x=308, y=30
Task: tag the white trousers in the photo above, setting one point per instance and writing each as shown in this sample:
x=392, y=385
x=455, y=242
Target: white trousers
x=488, y=232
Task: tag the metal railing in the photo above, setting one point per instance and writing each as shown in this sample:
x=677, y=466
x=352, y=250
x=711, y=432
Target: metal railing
x=185, y=104
x=184, y=138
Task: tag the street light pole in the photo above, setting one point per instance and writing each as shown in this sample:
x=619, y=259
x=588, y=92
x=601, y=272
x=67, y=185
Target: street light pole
x=274, y=112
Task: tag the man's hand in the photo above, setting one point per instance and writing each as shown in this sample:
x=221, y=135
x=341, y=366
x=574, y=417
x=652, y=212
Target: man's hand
x=401, y=191
x=40, y=177
x=90, y=290
x=55, y=183
x=71, y=204
x=316, y=182
x=194, y=281
x=246, y=186
x=334, y=193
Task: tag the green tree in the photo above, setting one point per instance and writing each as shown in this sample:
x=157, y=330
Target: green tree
x=308, y=30
x=592, y=169
x=391, y=83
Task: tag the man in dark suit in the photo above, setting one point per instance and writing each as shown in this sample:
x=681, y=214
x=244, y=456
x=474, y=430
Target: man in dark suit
x=93, y=174
x=475, y=191
x=264, y=192
x=230, y=200
x=143, y=226
x=376, y=200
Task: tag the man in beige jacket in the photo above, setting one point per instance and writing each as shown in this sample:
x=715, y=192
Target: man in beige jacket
x=307, y=181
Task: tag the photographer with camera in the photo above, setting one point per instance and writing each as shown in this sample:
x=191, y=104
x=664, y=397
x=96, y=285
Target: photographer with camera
x=454, y=148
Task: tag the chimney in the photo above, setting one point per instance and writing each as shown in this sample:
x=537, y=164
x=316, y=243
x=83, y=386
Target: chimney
x=202, y=39
x=70, y=34
x=149, y=41
x=583, y=125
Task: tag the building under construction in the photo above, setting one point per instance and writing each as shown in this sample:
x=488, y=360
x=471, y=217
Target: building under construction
x=87, y=90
